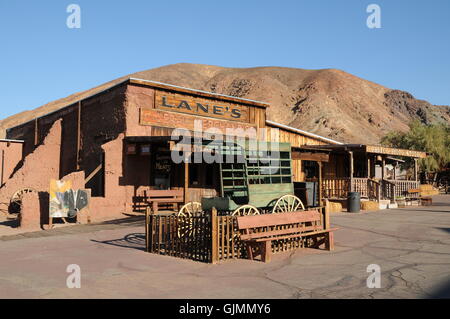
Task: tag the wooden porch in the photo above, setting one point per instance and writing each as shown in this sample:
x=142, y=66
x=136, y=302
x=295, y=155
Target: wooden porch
x=372, y=189
x=364, y=169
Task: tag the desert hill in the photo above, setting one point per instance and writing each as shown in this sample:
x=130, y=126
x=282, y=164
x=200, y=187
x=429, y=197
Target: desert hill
x=328, y=102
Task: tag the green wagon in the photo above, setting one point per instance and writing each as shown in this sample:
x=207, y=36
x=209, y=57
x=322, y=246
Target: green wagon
x=255, y=177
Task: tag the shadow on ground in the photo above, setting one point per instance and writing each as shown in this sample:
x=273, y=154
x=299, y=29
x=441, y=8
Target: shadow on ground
x=443, y=292
x=134, y=241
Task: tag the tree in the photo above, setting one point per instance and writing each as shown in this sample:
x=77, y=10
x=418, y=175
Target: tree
x=433, y=139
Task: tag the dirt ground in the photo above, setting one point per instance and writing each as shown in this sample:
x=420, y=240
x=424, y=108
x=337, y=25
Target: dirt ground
x=411, y=246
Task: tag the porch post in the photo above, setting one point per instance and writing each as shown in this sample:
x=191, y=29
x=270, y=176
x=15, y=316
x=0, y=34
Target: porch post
x=395, y=171
x=383, y=168
x=350, y=153
x=320, y=183
x=186, y=180
x=368, y=165
x=415, y=169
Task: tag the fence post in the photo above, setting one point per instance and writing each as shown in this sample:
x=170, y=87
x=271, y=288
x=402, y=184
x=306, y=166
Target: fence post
x=214, y=231
x=378, y=192
x=326, y=219
x=147, y=233
x=393, y=194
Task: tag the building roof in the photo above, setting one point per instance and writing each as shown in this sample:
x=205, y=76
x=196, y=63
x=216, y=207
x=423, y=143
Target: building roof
x=296, y=130
x=376, y=149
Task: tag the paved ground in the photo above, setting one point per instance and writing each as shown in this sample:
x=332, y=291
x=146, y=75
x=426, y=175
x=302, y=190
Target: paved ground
x=412, y=247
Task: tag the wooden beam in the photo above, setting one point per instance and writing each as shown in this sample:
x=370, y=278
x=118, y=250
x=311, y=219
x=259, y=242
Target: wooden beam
x=3, y=167
x=320, y=183
x=350, y=157
x=78, y=136
x=186, y=180
x=308, y=156
x=214, y=239
x=93, y=173
x=395, y=171
x=415, y=170
x=383, y=167
x=36, y=132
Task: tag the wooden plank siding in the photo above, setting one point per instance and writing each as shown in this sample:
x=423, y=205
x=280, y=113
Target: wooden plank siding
x=274, y=134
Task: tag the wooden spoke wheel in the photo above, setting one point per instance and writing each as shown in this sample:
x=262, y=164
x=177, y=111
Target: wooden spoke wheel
x=288, y=203
x=15, y=204
x=185, y=224
x=190, y=209
x=245, y=210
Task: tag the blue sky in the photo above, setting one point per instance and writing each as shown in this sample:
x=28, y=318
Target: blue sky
x=41, y=59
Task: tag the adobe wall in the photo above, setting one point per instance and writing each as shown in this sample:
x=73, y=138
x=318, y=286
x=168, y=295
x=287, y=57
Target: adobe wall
x=12, y=155
x=38, y=167
x=137, y=97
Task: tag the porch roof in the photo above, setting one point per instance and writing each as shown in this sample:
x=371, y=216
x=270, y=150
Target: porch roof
x=374, y=149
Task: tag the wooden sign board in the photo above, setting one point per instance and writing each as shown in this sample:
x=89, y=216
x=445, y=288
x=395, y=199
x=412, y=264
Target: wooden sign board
x=159, y=118
x=394, y=151
x=180, y=103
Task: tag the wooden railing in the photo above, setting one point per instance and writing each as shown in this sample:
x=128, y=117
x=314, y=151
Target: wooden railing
x=373, y=189
x=402, y=187
x=368, y=188
x=387, y=190
x=339, y=187
x=207, y=238
x=335, y=187
x=360, y=185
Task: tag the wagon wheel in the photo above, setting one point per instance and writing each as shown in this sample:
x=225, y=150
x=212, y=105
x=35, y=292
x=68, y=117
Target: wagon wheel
x=245, y=210
x=190, y=209
x=15, y=204
x=288, y=203
x=185, y=225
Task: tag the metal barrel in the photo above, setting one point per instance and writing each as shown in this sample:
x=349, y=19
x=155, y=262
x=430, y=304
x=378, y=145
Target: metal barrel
x=353, y=202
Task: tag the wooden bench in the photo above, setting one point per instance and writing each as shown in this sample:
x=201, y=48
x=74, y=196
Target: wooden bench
x=158, y=197
x=259, y=231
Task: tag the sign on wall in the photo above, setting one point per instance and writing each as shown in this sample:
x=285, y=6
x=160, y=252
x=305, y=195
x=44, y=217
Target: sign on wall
x=64, y=201
x=175, y=102
x=158, y=118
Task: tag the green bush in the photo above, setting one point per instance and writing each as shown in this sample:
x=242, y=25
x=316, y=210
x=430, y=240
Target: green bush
x=433, y=139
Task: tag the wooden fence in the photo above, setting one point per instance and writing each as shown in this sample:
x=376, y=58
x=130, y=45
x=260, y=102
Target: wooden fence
x=208, y=238
x=402, y=187
x=182, y=237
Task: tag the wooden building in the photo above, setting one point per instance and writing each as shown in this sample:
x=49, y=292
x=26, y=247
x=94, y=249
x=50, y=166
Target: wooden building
x=118, y=144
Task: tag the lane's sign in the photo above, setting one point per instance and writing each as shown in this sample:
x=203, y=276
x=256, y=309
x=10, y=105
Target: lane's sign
x=199, y=106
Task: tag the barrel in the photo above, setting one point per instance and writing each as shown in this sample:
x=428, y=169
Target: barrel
x=353, y=202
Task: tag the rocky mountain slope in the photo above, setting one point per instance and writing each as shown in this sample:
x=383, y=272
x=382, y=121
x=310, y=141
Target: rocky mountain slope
x=328, y=102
